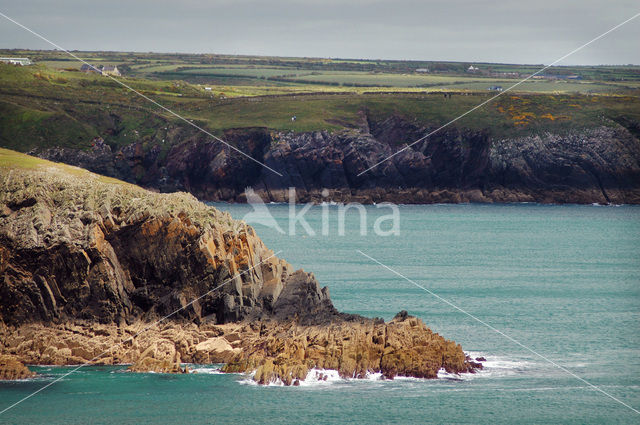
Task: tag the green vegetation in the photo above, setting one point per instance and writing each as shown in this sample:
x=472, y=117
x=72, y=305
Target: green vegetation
x=303, y=72
x=10, y=159
x=25, y=128
x=53, y=103
x=13, y=159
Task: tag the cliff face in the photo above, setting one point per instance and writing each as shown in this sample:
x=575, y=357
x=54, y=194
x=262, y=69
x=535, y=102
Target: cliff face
x=74, y=247
x=597, y=164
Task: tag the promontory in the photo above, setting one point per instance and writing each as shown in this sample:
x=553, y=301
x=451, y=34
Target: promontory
x=101, y=271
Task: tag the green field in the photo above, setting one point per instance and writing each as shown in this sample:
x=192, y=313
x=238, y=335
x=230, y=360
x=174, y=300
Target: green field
x=51, y=102
x=319, y=71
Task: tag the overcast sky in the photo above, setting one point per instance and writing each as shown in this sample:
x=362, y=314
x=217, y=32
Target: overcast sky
x=515, y=31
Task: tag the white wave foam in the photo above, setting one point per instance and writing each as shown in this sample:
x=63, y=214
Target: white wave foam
x=248, y=379
x=374, y=376
x=317, y=377
x=33, y=378
x=596, y=204
x=443, y=374
x=207, y=370
x=496, y=366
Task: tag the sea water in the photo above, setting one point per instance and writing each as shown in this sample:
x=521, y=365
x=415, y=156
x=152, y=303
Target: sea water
x=563, y=281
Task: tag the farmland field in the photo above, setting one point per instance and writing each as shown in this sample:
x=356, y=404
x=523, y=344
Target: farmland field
x=223, y=92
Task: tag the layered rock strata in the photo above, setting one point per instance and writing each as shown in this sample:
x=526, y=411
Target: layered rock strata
x=75, y=247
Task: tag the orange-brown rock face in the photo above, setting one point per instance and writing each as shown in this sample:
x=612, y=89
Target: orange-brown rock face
x=154, y=347
x=401, y=347
x=275, y=350
x=11, y=368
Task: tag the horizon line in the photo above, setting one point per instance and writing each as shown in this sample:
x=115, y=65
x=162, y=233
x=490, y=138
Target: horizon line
x=318, y=57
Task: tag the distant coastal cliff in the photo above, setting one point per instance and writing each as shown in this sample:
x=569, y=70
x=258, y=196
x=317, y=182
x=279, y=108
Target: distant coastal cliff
x=596, y=164
x=88, y=262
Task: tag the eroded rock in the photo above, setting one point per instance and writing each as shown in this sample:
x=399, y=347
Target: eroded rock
x=11, y=368
x=401, y=347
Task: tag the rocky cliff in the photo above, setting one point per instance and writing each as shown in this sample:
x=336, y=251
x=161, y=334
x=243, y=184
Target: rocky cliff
x=89, y=264
x=73, y=246
x=600, y=163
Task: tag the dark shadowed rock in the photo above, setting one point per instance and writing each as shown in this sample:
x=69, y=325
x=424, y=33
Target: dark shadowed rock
x=583, y=165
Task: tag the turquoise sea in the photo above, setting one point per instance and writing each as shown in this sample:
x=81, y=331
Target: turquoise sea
x=562, y=280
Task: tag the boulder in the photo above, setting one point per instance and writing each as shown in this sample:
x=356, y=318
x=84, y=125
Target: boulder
x=11, y=368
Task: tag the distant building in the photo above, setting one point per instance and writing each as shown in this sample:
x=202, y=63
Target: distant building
x=495, y=88
x=17, y=61
x=473, y=69
x=89, y=68
x=207, y=88
x=422, y=70
x=100, y=69
x=110, y=70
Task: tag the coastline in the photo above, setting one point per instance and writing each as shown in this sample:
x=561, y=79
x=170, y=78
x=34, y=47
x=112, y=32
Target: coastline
x=594, y=240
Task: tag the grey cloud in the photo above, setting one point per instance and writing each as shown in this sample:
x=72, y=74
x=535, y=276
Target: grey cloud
x=516, y=31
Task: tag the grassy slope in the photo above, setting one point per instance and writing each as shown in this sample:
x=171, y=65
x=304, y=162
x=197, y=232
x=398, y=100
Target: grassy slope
x=45, y=105
x=72, y=189
x=10, y=159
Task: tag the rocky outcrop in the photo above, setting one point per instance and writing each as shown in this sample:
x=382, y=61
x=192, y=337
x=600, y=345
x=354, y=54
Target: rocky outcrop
x=151, y=364
x=11, y=368
x=160, y=347
x=276, y=350
x=402, y=347
x=582, y=165
x=100, y=271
